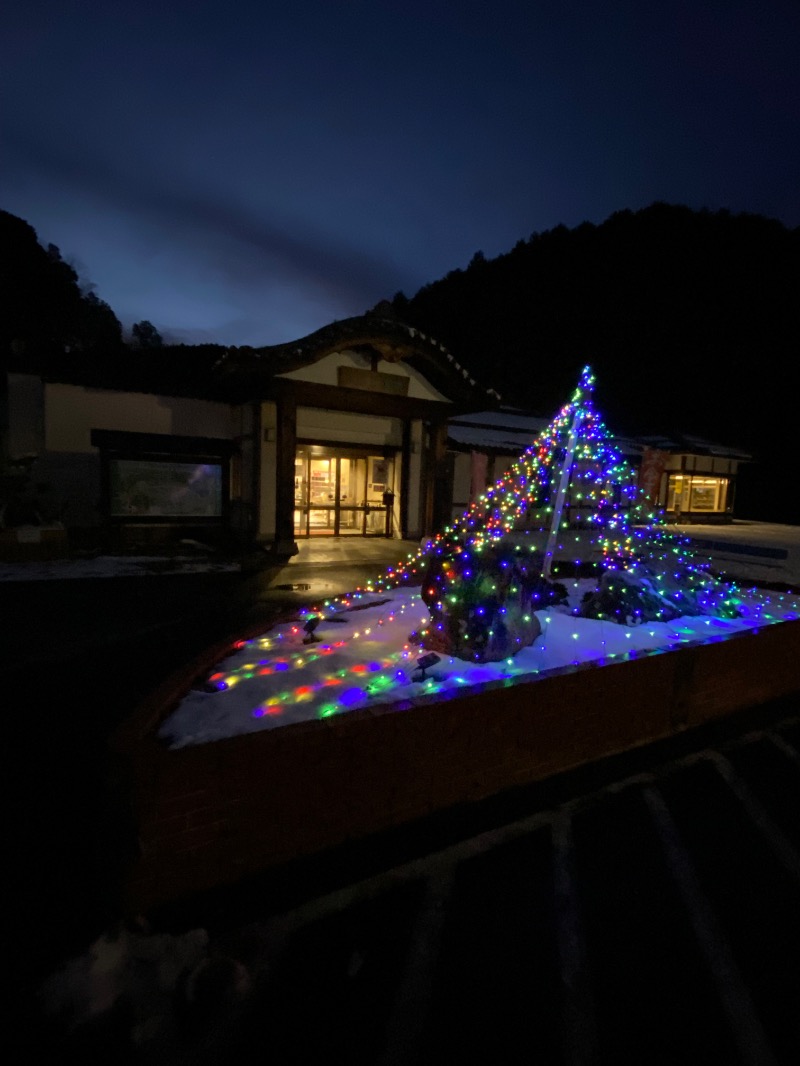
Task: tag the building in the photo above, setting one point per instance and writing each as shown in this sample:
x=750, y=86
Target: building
x=341, y=433
x=690, y=479
x=366, y=427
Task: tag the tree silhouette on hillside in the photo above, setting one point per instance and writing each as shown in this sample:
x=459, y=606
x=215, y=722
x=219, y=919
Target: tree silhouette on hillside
x=686, y=316
x=47, y=320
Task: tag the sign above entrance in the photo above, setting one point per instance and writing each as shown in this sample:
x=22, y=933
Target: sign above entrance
x=352, y=377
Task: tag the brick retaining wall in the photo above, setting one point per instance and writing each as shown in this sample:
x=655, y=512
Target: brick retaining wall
x=212, y=813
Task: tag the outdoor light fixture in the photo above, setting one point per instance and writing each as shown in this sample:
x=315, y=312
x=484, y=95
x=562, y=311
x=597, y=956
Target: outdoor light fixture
x=425, y=663
x=309, y=627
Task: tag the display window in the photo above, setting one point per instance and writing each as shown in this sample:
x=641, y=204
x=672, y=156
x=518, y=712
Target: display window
x=690, y=492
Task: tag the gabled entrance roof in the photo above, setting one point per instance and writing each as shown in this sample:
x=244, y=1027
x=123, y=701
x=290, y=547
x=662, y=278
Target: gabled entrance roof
x=377, y=335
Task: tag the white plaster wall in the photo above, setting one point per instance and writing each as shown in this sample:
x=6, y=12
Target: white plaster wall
x=349, y=428
x=73, y=411
x=325, y=372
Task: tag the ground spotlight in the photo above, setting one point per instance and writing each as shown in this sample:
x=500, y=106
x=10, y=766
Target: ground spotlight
x=309, y=627
x=424, y=663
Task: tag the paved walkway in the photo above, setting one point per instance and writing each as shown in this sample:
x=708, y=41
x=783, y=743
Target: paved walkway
x=79, y=657
x=332, y=566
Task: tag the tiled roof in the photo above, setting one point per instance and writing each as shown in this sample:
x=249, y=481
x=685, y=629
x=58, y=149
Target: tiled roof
x=509, y=430
x=683, y=442
x=375, y=333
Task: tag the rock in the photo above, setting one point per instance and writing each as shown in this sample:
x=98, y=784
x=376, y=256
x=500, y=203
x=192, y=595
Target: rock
x=483, y=603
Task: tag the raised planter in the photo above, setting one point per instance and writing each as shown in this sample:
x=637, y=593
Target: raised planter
x=210, y=814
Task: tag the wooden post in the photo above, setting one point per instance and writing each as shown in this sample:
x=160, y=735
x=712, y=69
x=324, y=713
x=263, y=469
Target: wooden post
x=437, y=487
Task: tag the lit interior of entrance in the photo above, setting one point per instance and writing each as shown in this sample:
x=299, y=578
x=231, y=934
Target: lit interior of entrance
x=342, y=492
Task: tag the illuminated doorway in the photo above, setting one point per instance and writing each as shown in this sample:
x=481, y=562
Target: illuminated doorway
x=342, y=492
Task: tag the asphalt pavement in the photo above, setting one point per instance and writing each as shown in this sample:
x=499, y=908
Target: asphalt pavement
x=79, y=657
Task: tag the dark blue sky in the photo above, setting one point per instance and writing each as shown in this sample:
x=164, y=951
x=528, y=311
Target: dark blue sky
x=246, y=172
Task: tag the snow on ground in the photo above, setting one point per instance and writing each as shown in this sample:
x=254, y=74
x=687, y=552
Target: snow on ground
x=362, y=658
x=744, y=550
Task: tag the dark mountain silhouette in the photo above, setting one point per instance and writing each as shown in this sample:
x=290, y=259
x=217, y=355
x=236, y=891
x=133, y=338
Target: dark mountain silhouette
x=46, y=318
x=690, y=319
x=52, y=325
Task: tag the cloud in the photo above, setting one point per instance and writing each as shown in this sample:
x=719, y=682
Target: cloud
x=242, y=246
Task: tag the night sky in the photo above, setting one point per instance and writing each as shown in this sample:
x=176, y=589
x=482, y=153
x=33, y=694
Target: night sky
x=246, y=172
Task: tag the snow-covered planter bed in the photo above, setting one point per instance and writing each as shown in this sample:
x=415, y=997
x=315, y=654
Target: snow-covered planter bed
x=210, y=813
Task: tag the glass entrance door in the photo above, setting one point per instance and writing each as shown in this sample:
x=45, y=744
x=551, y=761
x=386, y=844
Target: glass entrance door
x=341, y=492
x=352, y=479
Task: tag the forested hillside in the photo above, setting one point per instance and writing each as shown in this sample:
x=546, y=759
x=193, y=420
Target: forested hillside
x=46, y=317
x=690, y=319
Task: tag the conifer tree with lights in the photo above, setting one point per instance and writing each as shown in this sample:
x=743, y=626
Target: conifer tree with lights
x=568, y=507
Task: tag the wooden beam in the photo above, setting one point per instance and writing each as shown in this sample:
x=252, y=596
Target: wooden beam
x=312, y=394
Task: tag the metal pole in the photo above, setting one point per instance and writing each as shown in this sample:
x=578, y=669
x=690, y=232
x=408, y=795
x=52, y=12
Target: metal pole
x=561, y=495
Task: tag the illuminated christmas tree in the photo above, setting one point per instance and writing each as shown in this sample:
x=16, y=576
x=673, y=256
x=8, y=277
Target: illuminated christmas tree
x=568, y=507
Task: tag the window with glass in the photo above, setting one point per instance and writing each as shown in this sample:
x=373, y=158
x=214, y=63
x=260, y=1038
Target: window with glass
x=691, y=492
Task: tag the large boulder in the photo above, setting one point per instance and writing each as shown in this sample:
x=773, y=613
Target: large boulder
x=482, y=602
x=642, y=594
